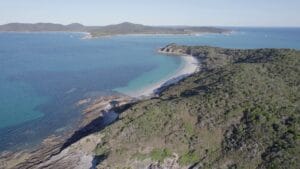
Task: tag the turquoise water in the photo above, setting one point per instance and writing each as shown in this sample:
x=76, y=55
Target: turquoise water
x=42, y=75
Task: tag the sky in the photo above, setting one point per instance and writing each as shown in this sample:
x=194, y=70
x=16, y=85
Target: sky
x=266, y=13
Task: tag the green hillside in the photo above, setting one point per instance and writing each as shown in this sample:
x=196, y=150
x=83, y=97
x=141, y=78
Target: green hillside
x=241, y=110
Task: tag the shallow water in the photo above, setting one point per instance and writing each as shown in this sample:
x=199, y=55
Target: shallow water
x=42, y=75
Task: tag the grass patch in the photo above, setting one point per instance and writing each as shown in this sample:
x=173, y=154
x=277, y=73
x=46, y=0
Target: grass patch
x=160, y=154
x=189, y=128
x=188, y=158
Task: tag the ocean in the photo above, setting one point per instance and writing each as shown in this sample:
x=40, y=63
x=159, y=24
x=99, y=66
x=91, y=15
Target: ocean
x=43, y=75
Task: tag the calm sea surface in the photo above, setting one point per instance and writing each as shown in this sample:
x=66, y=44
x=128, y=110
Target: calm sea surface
x=43, y=75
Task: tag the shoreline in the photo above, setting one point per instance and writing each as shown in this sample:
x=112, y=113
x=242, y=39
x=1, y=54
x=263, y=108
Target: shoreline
x=189, y=66
x=90, y=36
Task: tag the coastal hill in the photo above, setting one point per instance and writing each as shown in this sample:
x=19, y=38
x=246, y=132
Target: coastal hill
x=118, y=29
x=130, y=28
x=38, y=27
x=240, y=111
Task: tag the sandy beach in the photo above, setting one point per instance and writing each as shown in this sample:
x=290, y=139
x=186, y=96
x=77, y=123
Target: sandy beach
x=189, y=66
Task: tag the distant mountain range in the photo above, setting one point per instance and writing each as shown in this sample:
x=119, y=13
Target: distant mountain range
x=118, y=29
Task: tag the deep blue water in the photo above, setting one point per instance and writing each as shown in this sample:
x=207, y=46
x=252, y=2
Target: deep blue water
x=42, y=75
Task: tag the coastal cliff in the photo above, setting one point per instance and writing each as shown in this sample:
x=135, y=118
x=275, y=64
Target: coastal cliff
x=241, y=110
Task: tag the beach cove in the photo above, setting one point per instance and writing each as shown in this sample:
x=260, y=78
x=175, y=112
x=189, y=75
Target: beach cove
x=81, y=74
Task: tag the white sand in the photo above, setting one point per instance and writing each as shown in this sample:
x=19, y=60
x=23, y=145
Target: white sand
x=189, y=67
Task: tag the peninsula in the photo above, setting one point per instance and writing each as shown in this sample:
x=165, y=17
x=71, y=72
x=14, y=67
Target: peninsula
x=125, y=28
x=241, y=110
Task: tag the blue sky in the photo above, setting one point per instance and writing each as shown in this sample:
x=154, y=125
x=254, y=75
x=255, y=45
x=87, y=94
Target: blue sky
x=154, y=12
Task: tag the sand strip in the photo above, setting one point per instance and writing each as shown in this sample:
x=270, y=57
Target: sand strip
x=190, y=66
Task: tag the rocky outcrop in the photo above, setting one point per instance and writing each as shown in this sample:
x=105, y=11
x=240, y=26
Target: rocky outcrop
x=29, y=159
x=174, y=49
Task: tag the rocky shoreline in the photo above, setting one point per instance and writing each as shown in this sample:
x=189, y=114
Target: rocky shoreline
x=75, y=149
